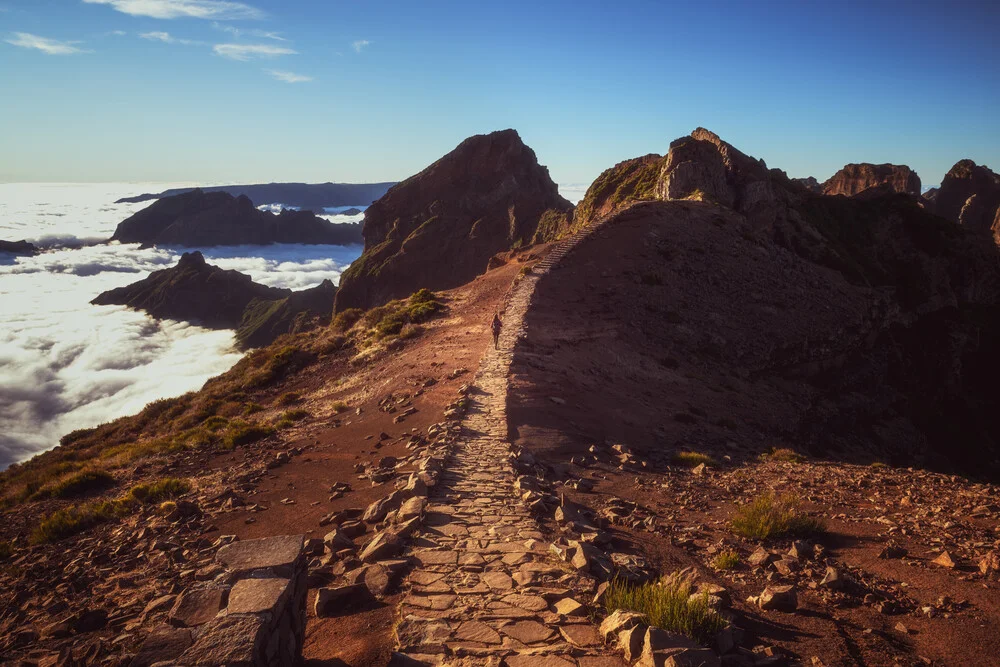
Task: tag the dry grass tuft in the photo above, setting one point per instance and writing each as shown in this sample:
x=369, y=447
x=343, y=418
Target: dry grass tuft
x=668, y=605
x=770, y=515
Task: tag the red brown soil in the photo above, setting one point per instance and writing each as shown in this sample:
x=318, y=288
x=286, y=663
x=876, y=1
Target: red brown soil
x=636, y=339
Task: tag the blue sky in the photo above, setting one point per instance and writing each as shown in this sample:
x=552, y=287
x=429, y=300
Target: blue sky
x=318, y=90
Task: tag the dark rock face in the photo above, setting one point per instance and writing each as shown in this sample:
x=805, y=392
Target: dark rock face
x=18, y=247
x=439, y=228
x=911, y=378
x=313, y=196
x=810, y=183
x=856, y=178
x=193, y=291
x=970, y=196
x=199, y=218
x=264, y=320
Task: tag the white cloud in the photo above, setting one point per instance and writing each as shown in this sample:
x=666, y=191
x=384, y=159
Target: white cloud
x=239, y=32
x=360, y=44
x=250, y=51
x=52, y=47
x=118, y=33
x=288, y=77
x=166, y=37
x=222, y=10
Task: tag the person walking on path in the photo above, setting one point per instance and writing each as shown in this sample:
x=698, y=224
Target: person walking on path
x=496, y=326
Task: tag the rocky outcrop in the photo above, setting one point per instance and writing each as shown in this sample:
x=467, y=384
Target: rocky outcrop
x=810, y=183
x=197, y=292
x=703, y=166
x=312, y=196
x=193, y=291
x=18, y=248
x=856, y=178
x=439, y=228
x=619, y=187
x=266, y=319
x=970, y=196
x=200, y=218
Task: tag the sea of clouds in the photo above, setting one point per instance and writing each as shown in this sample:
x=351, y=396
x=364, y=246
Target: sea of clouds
x=65, y=364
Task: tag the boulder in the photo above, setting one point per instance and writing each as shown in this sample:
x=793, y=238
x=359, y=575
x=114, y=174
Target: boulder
x=335, y=601
x=778, y=598
x=620, y=620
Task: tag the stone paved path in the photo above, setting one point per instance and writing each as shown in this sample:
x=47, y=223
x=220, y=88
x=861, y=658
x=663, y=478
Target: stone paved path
x=485, y=590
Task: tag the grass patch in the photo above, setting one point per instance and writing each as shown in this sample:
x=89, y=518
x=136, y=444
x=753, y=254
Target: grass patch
x=78, y=518
x=692, y=459
x=289, y=398
x=78, y=484
x=727, y=559
x=784, y=454
x=770, y=515
x=240, y=432
x=877, y=465
x=160, y=490
x=667, y=605
x=338, y=407
x=296, y=415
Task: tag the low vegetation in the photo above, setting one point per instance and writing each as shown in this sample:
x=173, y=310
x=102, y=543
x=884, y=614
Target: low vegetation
x=727, y=559
x=668, y=605
x=783, y=454
x=692, y=459
x=78, y=518
x=770, y=515
x=77, y=484
x=6, y=550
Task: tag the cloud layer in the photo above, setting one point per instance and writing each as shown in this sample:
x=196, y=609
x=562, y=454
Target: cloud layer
x=220, y=10
x=65, y=364
x=53, y=47
x=251, y=51
x=288, y=77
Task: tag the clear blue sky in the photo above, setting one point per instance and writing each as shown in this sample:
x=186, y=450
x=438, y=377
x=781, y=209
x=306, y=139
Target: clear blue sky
x=317, y=90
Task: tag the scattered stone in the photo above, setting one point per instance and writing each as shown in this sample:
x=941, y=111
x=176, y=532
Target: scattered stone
x=778, y=598
x=335, y=601
x=197, y=607
x=945, y=560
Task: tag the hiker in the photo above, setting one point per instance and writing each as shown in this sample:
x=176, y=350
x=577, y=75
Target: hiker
x=496, y=330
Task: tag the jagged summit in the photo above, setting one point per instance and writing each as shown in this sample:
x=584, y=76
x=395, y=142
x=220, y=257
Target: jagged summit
x=856, y=178
x=970, y=196
x=439, y=228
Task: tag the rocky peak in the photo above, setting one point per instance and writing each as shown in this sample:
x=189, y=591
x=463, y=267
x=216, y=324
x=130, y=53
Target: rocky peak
x=970, y=196
x=192, y=260
x=856, y=178
x=703, y=166
x=439, y=228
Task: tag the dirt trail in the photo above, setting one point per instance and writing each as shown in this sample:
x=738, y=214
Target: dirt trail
x=485, y=587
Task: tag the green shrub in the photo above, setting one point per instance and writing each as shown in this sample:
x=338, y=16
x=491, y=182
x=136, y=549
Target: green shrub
x=296, y=415
x=726, y=559
x=770, y=515
x=72, y=520
x=346, y=319
x=243, y=433
x=158, y=491
x=78, y=484
x=215, y=423
x=667, y=605
x=784, y=454
x=410, y=331
x=289, y=398
x=338, y=407
x=692, y=459
x=252, y=408
x=877, y=464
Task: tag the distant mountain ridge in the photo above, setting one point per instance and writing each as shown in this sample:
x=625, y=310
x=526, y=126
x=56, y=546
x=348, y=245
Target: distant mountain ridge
x=313, y=196
x=199, y=218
